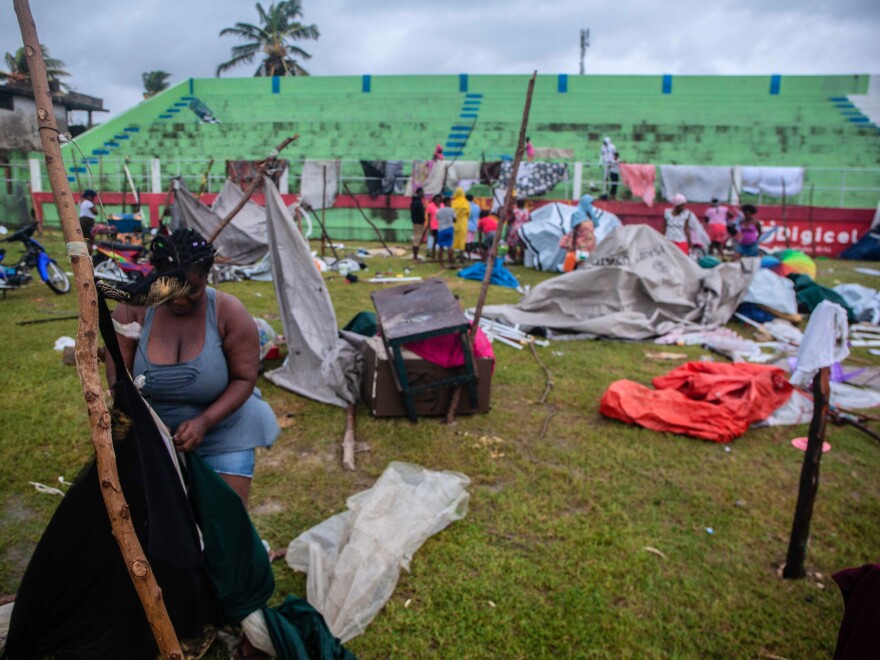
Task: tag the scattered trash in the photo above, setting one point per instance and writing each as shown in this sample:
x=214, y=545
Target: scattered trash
x=664, y=355
x=557, y=353
x=408, y=601
x=655, y=551
x=727, y=449
x=740, y=503
x=801, y=443
x=351, y=278
x=709, y=530
x=48, y=490
x=63, y=342
x=399, y=278
x=490, y=443
x=491, y=604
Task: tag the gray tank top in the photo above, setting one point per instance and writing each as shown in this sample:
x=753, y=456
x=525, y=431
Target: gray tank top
x=182, y=391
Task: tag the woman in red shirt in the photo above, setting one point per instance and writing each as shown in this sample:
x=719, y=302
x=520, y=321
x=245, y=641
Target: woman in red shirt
x=434, y=205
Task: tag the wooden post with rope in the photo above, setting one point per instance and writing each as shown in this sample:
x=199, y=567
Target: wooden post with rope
x=370, y=222
x=262, y=168
x=493, y=251
x=139, y=568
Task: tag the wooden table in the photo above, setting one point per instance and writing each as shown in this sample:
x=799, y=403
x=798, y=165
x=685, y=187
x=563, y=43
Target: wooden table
x=418, y=311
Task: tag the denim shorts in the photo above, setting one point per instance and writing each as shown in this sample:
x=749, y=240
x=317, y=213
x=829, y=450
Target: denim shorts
x=234, y=463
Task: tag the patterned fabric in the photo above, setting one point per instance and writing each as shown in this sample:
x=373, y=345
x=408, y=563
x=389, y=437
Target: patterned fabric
x=584, y=237
x=533, y=178
x=243, y=172
x=520, y=217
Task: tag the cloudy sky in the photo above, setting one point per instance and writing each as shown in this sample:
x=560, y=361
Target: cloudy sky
x=107, y=45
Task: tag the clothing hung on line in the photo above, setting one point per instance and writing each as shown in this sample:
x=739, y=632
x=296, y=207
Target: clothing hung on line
x=533, y=179
x=640, y=180
x=178, y=392
x=773, y=181
x=312, y=189
x=699, y=183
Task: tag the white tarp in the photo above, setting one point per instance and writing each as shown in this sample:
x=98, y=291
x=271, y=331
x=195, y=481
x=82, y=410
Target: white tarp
x=548, y=225
x=771, y=290
x=865, y=302
x=311, y=184
x=353, y=559
x=699, y=183
x=243, y=241
x=319, y=364
x=773, y=181
x=635, y=285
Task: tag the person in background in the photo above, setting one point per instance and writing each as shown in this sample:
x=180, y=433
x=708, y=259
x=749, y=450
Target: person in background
x=530, y=150
x=417, y=215
x=462, y=209
x=431, y=215
x=717, y=216
x=445, y=230
x=473, y=220
x=521, y=216
x=486, y=228
x=87, y=216
x=438, y=153
x=199, y=355
x=748, y=234
x=678, y=222
x=608, y=159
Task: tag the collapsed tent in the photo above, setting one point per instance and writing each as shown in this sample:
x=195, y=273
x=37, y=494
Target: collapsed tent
x=549, y=223
x=635, y=285
x=707, y=400
x=319, y=364
x=243, y=241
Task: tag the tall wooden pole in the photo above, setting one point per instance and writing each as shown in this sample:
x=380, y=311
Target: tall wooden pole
x=505, y=208
x=87, y=349
x=367, y=218
x=809, y=485
x=323, y=206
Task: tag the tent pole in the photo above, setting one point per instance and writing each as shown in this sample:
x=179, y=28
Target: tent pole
x=262, y=168
x=812, y=229
x=323, y=206
x=785, y=217
x=138, y=566
x=809, y=484
x=370, y=222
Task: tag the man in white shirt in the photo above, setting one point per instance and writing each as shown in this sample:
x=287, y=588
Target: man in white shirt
x=608, y=159
x=87, y=215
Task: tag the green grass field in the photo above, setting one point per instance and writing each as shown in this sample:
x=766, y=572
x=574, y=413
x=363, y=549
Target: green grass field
x=551, y=559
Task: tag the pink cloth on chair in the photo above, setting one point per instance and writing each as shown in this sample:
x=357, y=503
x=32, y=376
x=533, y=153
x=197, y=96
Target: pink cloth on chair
x=640, y=180
x=446, y=351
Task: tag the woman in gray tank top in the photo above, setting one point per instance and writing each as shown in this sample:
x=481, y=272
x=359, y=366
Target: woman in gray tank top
x=199, y=358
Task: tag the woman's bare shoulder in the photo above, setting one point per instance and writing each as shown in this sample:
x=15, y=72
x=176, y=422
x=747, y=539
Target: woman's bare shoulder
x=129, y=313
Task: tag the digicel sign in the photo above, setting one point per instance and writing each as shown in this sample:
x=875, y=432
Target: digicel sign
x=831, y=238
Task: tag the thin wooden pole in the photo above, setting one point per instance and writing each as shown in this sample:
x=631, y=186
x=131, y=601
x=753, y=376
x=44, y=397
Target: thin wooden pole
x=505, y=209
x=262, y=168
x=785, y=217
x=348, y=438
x=812, y=229
x=323, y=230
x=370, y=222
x=809, y=484
x=324, y=206
x=87, y=350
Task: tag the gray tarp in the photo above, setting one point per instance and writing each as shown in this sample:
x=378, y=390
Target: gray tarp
x=319, y=364
x=548, y=225
x=311, y=183
x=242, y=241
x=636, y=285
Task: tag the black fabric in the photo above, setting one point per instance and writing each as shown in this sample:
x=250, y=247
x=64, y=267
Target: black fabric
x=859, y=634
x=76, y=598
x=490, y=171
x=417, y=211
x=374, y=172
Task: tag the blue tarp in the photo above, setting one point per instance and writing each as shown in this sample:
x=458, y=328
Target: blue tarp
x=500, y=275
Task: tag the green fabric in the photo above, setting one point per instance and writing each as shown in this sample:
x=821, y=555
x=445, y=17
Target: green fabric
x=364, y=323
x=299, y=632
x=708, y=262
x=809, y=295
x=236, y=560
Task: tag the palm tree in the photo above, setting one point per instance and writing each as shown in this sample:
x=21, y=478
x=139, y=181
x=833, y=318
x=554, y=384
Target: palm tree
x=18, y=67
x=154, y=82
x=278, y=29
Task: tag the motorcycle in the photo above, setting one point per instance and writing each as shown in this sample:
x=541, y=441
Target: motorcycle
x=120, y=262
x=18, y=274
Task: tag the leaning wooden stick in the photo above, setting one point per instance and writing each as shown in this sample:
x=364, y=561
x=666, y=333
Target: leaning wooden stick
x=370, y=222
x=505, y=209
x=490, y=259
x=809, y=484
x=324, y=234
x=87, y=350
x=262, y=168
x=203, y=184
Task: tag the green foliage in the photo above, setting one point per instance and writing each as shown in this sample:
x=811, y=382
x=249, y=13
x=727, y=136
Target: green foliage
x=18, y=70
x=154, y=82
x=274, y=37
x=551, y=559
